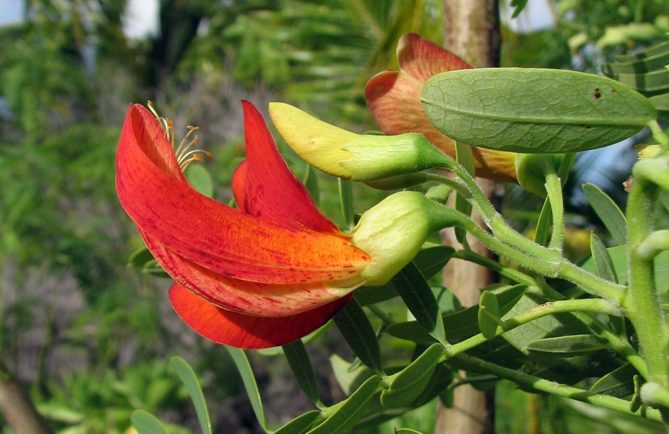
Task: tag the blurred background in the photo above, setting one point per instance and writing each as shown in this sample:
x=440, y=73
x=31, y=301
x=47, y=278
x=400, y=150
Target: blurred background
x=89, y=338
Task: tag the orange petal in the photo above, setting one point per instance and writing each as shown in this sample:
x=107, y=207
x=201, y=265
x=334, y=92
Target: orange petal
x=245, y=331
x=394, y=99
x=210, y=234
x=251, y=298
x=271, y=191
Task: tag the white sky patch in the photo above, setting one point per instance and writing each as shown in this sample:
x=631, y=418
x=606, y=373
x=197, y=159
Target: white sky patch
x=141, y=18
x=11, y=11
x=535, y=16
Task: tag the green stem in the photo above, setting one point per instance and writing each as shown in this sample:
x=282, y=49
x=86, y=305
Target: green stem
x=654, y=244
x=596, y=305
x=655, y=395
x=554, y=191
x=617, y=343
x=643, y=303
x=552, y=387
x=508, y=272
x=546, y=264
x=658, y=134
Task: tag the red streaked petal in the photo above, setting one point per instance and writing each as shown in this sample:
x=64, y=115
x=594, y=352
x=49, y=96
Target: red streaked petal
x=239, y=178
x=245, y=331
x=271, y=190
x=251, y=298
x=152, y=139
x=421, y=59
x=212, y=235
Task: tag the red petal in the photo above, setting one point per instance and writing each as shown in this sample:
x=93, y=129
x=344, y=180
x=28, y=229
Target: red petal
x=248, y=297
x=394, y=99
x=244, y=331
x=271, y=191
x=239, y=178
x=421, y=59
x=211, y=234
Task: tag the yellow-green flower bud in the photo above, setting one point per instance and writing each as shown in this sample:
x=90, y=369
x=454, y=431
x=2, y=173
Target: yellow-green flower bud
x=393, y=231
x=360, y=157
x=531, y=170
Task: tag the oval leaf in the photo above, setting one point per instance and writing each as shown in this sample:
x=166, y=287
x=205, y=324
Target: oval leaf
x=345, y=414
x=146, y=423
x=359, y=334
x=250, y=385
x=411, y=381
x=488, y=315
x=534, y=110
x=601, y=259
x=608, y=212
x=300, y=424
x=200, y=179
x=567, y=345
x=431, y=260
x=192, y=385
x=420, y=300
x=300, y=364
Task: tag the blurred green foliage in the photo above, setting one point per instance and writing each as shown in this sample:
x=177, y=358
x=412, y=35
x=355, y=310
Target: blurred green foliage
x=90, y=335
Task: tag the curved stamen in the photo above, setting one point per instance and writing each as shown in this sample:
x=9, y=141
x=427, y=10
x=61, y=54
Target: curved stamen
x=184, y=153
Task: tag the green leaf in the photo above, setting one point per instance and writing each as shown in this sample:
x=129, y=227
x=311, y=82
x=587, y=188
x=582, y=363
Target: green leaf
x=488, y=315
x=534, y=110
x=346, y=202
x=420, y=300
x=660, y=102
x=299, y=363
x=310, y=180
x=146, y=423
x=343, y=416
x=543, y=230
x=567, y=345
x=463, y=155
x=641, y=65
x=432, y=260
x=300, y=424
x=653, y=50
x=140, y=257
x=518, y=6
x=649, y=82
x=601, y=259
x=359, y=334
x=617, y=382
x=250, y=385
x=190, y=381
x=410, y=382
x=608, y=212
x=461, y=324
x=200, y=179
x=349, y=375
x=367, y=295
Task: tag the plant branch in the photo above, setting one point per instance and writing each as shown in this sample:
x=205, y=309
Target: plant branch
x=554, y=388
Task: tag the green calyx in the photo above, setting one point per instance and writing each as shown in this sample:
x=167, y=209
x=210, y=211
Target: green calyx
x=393, y=231
x=378, y=157
x=531, y=170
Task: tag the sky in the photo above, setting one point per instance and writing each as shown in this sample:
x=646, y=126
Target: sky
x=141, y=18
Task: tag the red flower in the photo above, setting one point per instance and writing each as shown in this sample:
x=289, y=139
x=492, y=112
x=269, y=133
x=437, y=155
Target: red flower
x=394, y=99
x=259, y=276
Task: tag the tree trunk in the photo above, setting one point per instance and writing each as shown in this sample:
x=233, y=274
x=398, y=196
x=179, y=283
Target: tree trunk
x=17, y=409
x=471, y=30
